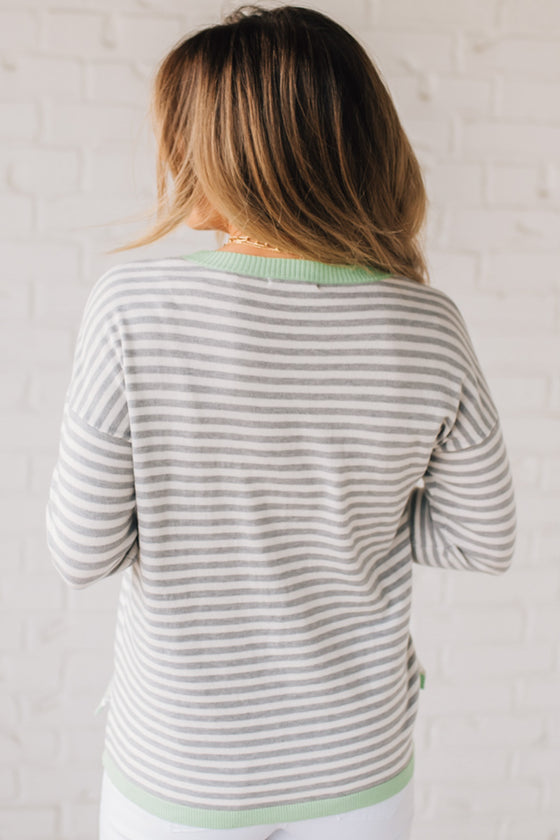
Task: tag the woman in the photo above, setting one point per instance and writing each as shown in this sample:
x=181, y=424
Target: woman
x=262, y=439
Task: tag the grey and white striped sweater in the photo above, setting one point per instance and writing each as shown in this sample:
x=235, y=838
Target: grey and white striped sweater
x=263, y=447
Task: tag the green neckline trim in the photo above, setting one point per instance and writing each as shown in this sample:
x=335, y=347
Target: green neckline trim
x=207, y=818
x=281, y=268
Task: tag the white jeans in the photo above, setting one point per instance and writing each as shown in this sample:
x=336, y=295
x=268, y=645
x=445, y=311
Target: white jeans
x=121, y=819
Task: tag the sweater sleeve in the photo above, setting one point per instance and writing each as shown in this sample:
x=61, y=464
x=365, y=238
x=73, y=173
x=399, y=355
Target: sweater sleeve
x=463, y=516
x=91, y=523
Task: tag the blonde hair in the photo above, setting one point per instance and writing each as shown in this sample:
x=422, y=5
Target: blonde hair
x=279, y=120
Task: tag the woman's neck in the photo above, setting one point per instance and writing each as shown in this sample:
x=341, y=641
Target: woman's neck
x=253, y=251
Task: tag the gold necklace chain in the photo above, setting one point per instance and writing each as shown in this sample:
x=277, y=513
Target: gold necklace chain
x=246, y=240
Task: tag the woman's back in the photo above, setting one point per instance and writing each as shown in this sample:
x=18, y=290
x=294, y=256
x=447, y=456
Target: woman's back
x=259, y=429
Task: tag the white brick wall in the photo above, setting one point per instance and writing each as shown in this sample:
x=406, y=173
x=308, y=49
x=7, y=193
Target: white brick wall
x=476, y=85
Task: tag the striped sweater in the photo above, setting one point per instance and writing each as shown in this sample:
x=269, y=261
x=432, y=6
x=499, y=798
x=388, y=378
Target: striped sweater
x=262, y=447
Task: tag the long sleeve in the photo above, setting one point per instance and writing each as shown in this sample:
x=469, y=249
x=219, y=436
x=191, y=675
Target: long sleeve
x=463, y=517
x=91, y=519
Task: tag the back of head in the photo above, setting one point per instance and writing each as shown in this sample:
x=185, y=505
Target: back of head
x=279, y=120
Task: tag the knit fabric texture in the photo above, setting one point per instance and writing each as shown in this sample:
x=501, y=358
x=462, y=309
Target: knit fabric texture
x=261, y=448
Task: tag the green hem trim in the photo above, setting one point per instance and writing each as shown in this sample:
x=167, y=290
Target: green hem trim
x=282, y=268
x=207, y=818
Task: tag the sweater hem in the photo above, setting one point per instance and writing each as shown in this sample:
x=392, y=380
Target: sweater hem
x=291, y=812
